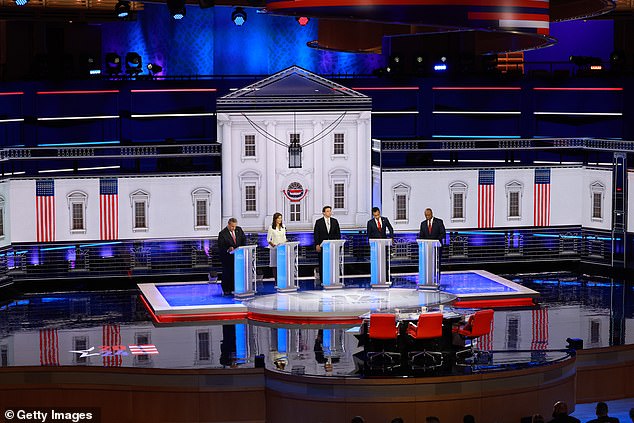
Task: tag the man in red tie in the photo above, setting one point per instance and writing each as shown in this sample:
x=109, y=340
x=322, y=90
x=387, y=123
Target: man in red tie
x=378, y=226
x=432, y=227
x=230, y=238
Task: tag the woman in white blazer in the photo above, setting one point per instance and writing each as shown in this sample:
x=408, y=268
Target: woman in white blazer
x=275, y=236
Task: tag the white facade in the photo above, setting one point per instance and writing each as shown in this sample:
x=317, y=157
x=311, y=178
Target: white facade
x=335, y=161
x=571, y=197
x=170, y=207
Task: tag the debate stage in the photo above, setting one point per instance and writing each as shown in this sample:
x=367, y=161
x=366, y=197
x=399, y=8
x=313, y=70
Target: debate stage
x=203, y=301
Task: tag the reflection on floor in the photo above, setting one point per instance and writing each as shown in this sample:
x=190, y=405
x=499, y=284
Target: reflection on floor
x=113, y=329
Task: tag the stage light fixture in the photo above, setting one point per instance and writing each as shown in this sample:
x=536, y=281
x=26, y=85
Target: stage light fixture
x=585, y=60
x=239, y=16
x=133, y=63
x=113, y=63
x=302, y=20
x=89, y=65
x=419, y=65
x=122, y=9
x=441, y=66
x=617, y=61
x=177, y=9
x=21, y=2
x=154, y=68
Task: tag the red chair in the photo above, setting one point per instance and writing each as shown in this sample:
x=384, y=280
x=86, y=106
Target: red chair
x=478, y=324
x=429, y=327
x=383, y=328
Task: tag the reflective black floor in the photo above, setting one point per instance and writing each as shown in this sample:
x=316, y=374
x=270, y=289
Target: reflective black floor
x=112, y=328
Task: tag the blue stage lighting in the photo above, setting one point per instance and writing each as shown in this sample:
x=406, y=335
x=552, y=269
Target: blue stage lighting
x=21, y=2
x=239, y=16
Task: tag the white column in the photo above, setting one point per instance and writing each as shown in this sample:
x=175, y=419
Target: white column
x=270, y=183
x=227, y=172
x=364, y=172
x=320, y=183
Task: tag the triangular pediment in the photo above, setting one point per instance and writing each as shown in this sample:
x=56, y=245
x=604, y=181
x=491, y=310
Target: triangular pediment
x=297, y=88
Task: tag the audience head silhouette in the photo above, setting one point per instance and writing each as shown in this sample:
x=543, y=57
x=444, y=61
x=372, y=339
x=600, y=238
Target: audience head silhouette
x=602, y=409
x=357, y=419
x=432, y=419
x=560, y=409
x=468, y=418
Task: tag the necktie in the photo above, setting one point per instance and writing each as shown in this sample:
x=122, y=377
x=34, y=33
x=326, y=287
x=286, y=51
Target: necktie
x=378, y=224
x=328, y=225
x=429, y=226
x=233, y=235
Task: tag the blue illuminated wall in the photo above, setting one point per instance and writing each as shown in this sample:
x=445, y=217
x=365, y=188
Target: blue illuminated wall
x=593, y=38
x=207, y=42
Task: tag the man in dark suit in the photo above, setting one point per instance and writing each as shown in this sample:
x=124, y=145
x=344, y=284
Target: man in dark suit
x=432, y=228
x=377, y=228
x=230, y=238
x=326, y=227
x=379, y=225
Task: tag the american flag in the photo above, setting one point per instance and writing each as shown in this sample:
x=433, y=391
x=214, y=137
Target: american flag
x=49, y=350
x=486, y=340
x=541, y=207
x=143, y=349
x=108, y=209
x=112, y=338
x=45, y=210
x=486, y=193
x=540, y=329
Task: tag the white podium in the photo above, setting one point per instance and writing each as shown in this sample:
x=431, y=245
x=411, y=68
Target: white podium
x=245, y=271
x=332, y=270
x=428, y=263
x=379, y=270
x=287, y=266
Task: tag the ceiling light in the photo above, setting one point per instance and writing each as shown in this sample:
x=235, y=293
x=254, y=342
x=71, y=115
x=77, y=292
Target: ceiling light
x=239, y=16
x=122, y=9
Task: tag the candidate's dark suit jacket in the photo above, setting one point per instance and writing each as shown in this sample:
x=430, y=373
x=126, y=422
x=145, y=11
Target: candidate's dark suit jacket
x=225, y=241
x=320, y=233
x=373, y=230
x=437, y=230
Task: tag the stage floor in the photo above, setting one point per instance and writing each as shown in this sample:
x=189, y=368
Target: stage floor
x=195, y=301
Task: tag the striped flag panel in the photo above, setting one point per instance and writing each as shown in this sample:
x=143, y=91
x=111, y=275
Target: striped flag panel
x=541, y=194
x=111, y=337
x=486, y=194
x=45, y=210
x=486, y=341
x=540, y=329
x=108, y=209
x=143, y=349
x=49, y=347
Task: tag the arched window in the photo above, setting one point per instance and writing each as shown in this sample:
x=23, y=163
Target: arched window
x=458, y=196
x=201, y=200
x=77, y=211
x=400, y=196
x=140, y=202
x=514, y=194
x=250, y=187
x=597, y=193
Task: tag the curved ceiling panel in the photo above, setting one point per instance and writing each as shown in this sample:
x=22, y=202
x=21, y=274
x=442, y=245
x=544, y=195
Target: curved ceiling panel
x=516, y=15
